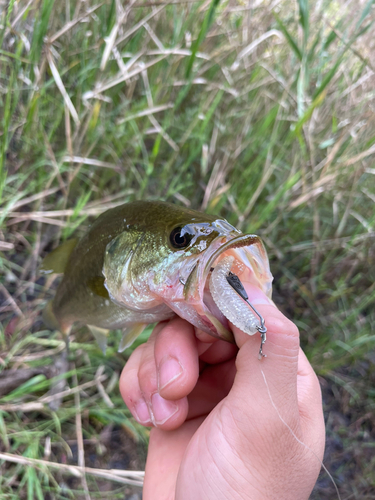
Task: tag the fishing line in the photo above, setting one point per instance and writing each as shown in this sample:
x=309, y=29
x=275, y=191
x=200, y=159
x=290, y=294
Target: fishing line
x=297, y=439
x=235, y=282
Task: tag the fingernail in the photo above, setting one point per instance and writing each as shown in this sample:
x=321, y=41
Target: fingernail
x=162, y=409
x=141, y=412
x=256, y=296
x=169, y=370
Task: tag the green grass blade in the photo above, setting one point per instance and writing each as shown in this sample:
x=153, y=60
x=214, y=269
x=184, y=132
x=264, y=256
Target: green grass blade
x=304, y=18
x=6, y=21
x=330, y=38
x=7, y=116
x=41, y=29
x=202, y=34
x=296, y=128
x=296, y=132
x=293, y=44
x=312, y=51
x=365, y=13
x=327, y=79
x=25, y=388
x=76, y=219
x=272, y=204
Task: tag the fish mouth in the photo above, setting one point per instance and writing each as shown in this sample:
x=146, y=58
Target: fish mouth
x=249, y=262
x=238, y=242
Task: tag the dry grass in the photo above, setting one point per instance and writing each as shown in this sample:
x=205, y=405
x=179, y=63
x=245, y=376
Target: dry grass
x=262, y=112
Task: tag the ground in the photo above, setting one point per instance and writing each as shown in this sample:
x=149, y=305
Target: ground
x=262, y=112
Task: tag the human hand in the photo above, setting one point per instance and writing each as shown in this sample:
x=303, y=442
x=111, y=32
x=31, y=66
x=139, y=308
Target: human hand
x=226, y=425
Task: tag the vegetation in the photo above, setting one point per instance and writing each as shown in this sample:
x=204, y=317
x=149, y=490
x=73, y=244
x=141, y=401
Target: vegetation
x=262, y=112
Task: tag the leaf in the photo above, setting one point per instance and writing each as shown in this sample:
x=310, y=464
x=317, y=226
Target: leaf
x=307, y=115
x=288, y=37
x=7, y=19
x=304, y=17
x=272, y=204
x=5, y=138
x=26, y=388
x=331, y=73
x=365, y=13
x=311, y=53
x=330, y=38
x=202, y=34
x=40, y=30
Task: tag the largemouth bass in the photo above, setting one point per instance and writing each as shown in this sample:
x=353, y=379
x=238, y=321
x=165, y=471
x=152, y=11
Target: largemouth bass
x=145, y=261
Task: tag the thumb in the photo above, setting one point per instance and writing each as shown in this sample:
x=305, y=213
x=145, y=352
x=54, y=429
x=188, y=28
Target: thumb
x=274, y=376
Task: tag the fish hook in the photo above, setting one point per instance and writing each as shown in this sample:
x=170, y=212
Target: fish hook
x=236, y=284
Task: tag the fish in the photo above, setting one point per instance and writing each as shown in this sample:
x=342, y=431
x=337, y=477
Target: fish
x=146, y=261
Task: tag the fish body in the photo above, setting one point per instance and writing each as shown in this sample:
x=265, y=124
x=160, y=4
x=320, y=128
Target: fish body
x=145, y=261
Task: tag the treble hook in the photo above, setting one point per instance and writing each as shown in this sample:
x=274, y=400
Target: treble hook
x=236, y=284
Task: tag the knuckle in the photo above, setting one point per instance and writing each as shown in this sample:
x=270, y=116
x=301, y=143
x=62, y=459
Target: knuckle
x=147, y=377
x=285, y=327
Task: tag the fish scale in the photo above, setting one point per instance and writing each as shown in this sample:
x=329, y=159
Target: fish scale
x=145, y=261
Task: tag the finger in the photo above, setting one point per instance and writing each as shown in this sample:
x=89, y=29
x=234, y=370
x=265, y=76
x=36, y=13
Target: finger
x=271, y=381
x=219, y=352
x=308, y=388
x=310, y=405
x=163, y=413
x=165, y=453
x=130, y=390
x=205, y=337
x=176, y=358
x=144, y=402
x=213, y=386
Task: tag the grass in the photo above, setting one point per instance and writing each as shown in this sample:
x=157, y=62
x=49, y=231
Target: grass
x=262, y=113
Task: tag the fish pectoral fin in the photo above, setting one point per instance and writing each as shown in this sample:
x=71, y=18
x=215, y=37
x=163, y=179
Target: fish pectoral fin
x=101, y=336
x=130, y=334
x=96, y=285
x=56, y=261
x=52, y=322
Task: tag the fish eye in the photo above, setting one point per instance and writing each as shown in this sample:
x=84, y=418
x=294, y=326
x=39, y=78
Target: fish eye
x=179, y=240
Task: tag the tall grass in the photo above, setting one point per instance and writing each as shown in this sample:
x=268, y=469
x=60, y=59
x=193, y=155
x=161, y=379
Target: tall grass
x=262, y=112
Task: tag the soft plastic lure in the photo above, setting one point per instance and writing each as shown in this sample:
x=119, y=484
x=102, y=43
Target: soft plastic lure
x=225, y=287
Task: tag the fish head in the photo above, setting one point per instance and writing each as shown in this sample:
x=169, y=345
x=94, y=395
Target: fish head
x=166, y=254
